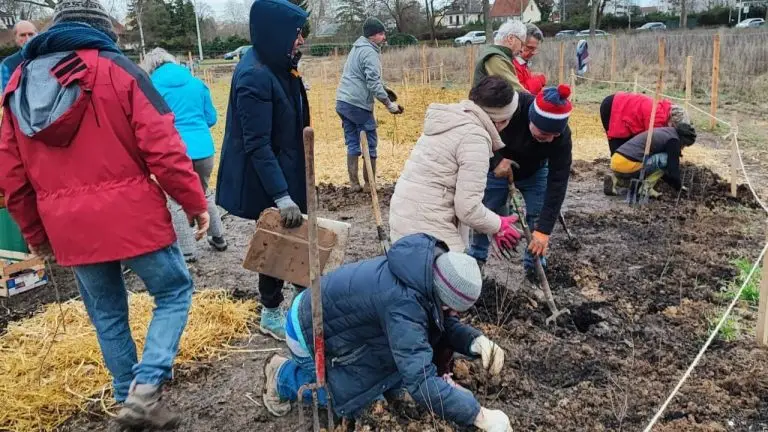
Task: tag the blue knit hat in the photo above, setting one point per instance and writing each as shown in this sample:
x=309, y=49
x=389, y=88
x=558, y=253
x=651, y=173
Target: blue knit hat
x=457, y=280
x=550, y=110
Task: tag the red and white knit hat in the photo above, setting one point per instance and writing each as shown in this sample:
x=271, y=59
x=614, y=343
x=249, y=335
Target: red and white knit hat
x=551, y=109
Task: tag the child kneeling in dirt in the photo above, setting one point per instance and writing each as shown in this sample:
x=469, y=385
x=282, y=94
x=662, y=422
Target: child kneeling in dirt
x=667, y=144
x=382, y=318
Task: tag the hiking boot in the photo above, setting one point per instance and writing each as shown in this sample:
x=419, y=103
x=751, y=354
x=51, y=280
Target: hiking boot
x=273, y=323
x=218, y=243
x=650, y=183
x=353, y=165
x=610, y=184
x=144, y=408
x=271, y=396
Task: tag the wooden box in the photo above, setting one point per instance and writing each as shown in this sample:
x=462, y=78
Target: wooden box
x=20, y=272
x=283, y=253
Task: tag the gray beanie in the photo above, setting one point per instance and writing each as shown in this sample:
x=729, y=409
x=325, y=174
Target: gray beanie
x=373, y=26
x=89, y=12
x=457, y=280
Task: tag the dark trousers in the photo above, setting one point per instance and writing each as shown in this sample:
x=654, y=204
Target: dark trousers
x=605, y=117
x=271, y=291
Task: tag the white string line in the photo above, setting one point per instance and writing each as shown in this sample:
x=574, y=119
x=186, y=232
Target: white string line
x=709, y=114
x=744, y=170
x=711, y=338
x=603, y=81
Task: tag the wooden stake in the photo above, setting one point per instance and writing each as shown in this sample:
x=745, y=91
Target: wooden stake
x=561, y=75
x=573, y=85
x=471, y=65
x=656, y=99
x=634, y=88
x=715, y=80
x=425, y=71
x=734, y=157
x=191, y=65
x=762, y=310
x=688, y=80
x=442, y=76
x=613, y=61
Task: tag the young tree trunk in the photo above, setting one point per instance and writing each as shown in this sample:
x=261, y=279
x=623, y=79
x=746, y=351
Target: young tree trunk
x=487, y=21
x=593, y=17
x=683, y=15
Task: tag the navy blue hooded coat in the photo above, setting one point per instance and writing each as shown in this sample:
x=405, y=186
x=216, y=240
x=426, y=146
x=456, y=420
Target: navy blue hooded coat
x=262, y=158
x=381, y=318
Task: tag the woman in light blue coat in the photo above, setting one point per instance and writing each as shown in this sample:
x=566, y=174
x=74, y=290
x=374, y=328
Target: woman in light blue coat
x=190, y=101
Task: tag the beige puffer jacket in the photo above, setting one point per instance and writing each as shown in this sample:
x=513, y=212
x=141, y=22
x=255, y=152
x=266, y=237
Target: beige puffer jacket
x=440, y=191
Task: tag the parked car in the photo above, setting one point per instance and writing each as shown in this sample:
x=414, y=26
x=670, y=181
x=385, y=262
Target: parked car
x=751, y=23
x=585, y=33
x=237, y=53
x=471, y=38
x=566, y=33
x=653, y=26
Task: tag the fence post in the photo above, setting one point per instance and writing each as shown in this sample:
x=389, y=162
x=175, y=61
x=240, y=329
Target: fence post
x=561, y=70
x=405, y=82
x=471, y=64
x=634, y=88
x=688, y=81
x=656, y=100
x=573, y=85
x=424, y=70
x=715, y=80
x=613, y=62
x=442, y=75
x=191, y=65
x=762, y=311
x=734, y=156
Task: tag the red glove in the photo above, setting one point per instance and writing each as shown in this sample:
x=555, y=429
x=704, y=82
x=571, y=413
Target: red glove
x=508, y=236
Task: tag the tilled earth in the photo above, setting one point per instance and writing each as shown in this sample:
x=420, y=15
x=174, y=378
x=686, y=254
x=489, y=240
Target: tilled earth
x=644, y=288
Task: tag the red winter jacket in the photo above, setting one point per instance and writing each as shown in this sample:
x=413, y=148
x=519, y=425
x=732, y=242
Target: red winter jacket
x=531, y=82
x=631, y=113
x=75, y=161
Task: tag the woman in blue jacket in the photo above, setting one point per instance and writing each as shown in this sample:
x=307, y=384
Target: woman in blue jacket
x=195, y=114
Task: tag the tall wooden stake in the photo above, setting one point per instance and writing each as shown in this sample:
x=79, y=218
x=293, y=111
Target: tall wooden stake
x=688, y=81
x=573, y=85
x=442, y=75
x=656, y=99
x=734, y=156
x=634, y=88
x=613, y=61
x=471, y=65
x=425, y=71
x=715, y=80
x=762, y=310
x=561, y=74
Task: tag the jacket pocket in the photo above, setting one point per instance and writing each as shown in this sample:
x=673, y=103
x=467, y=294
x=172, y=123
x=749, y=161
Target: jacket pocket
x=351, y=357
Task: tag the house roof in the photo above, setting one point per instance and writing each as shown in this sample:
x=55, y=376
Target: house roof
x=507, y=8
x=465, y=7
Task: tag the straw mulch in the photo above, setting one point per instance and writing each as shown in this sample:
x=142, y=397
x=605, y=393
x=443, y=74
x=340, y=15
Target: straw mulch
x=50, y=371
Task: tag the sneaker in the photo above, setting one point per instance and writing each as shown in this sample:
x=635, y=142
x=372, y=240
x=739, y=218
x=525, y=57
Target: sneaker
x=271, y=397
x=144, y=408
x=218, y=243
x=273, y=323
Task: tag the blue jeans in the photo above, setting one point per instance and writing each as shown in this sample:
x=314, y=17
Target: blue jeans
x=533, y=188
x=103, y=290
x=355, y=120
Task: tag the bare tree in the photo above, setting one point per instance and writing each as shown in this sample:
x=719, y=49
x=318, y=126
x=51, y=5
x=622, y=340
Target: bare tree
x=435, y=15
x=593, y=17
x=487, y=20
x=400, y=11
x=683, y=14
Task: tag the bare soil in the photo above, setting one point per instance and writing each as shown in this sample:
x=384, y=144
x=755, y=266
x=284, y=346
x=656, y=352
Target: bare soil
x=642, y=290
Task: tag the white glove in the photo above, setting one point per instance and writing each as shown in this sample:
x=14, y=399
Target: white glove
x=492, y=421
x=394, y=108
x=492, y=354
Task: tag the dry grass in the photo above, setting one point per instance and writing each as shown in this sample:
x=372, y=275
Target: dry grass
x=40, y=389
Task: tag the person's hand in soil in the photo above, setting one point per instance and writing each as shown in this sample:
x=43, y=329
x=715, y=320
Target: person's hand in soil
x=539, y=244
x=492, y=421
x=43, y=251
x=491, y=354
x=290, y=214
x=203, y=221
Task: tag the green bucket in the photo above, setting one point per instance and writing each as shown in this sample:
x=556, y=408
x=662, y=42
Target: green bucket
x=10, y=234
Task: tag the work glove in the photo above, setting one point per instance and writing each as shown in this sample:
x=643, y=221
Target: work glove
x=290, y=214
x=492, y=421
x=391, y=94
x=491, y=354
x=539, y=243
x=507, y=237
x=203, y=221
x=395, y=108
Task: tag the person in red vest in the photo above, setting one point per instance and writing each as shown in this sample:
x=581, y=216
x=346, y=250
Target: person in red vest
x=533, y=83
x=625, y=115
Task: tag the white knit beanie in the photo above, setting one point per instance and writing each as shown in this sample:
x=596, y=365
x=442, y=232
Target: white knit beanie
x=457, y=280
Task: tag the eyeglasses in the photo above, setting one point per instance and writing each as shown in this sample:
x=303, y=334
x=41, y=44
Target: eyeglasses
x=530, y=49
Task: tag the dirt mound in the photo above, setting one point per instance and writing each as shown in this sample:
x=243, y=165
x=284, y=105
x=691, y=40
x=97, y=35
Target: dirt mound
x=335, y=198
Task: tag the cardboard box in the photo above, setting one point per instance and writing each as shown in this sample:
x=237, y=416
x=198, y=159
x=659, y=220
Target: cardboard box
x=20, y=272
x=283, y=253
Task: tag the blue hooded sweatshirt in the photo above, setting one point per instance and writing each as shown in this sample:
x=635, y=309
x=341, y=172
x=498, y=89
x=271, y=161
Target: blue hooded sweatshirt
x=191, y=104
x=381, y=319
x=262, y=158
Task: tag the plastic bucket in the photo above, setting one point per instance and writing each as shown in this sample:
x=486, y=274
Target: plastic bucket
x=10, y=234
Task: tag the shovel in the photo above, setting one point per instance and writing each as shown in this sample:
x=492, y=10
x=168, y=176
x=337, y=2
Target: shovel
x=380, y=232
x=317, y=302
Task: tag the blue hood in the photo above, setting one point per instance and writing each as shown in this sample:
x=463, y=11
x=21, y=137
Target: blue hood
x=411, y=259
x=171, y=75
x=275, y=24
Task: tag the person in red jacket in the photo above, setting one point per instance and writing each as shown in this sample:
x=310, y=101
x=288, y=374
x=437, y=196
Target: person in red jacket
x=88, y=150
x=625, y=115
x=533, y=83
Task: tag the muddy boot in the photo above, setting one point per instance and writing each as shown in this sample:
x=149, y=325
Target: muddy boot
x=650, y=183
x=271, y=396
x=144, y=408
x=352, y=169
x=610, y=184
x=367, y=187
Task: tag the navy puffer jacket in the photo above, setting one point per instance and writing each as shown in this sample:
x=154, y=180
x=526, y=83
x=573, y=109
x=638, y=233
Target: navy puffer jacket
x=382, y=318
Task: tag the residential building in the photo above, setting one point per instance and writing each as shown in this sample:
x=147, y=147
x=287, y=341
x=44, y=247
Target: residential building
x=463, y=12
x=524, y=10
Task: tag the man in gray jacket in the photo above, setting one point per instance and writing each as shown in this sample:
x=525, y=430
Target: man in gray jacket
x=360, y=83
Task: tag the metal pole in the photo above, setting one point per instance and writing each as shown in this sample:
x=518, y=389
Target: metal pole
x=197, y=28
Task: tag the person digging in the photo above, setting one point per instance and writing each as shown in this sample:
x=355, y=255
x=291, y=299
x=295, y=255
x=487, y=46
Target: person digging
x=663, y=162
x=360, y=85
x=383, y=319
